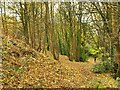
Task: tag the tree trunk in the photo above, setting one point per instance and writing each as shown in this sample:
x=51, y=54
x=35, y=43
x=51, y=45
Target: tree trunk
x=54, y=43
x=116, y=31
x=24, y=19
x=71, y=56
x=118, y=60
x=79, y=33
x=47, y=26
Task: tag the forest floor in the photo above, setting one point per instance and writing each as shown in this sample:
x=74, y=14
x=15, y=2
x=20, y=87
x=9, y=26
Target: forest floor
x=84, y=77
x=25, y=67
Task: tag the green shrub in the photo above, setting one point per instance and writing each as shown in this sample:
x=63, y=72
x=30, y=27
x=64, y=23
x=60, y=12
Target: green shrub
x=83, y=55
x=98, y=83
x=98, y=68
x=108, y=65
x=118, y=82
x=103, y=66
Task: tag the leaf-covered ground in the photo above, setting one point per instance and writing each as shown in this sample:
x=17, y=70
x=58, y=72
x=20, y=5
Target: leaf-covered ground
x=25, y=67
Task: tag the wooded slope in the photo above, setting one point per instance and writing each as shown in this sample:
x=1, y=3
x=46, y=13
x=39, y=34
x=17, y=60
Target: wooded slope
x=25, y=67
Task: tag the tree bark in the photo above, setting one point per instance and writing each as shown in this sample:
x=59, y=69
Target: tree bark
x=54, y=43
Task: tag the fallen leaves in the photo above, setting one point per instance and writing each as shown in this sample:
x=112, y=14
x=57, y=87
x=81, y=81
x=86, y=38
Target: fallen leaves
x=34, y=69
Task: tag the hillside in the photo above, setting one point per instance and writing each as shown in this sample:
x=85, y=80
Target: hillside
x=24, y=67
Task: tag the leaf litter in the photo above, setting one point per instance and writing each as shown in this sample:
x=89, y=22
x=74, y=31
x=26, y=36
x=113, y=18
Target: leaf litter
x=24, y=67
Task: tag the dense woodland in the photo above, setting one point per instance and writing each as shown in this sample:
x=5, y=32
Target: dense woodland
x=56, y=30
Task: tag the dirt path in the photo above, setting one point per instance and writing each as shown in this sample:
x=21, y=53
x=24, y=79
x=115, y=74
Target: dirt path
x=83, y=76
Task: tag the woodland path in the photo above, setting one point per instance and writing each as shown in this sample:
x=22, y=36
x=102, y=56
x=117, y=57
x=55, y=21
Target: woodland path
x=83, y=76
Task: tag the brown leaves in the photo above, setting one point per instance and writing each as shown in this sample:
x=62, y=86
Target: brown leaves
x=34, y=69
